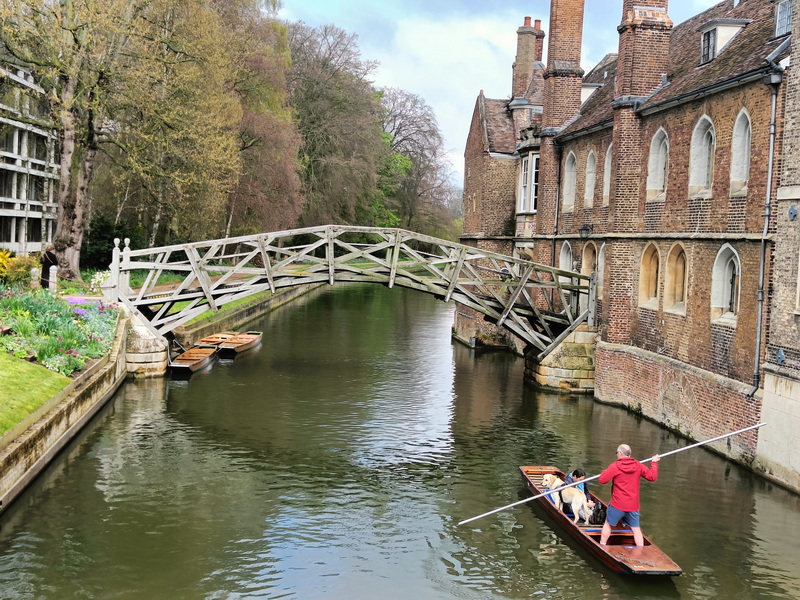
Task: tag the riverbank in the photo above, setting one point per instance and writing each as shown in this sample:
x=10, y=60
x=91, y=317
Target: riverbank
x=28, y=446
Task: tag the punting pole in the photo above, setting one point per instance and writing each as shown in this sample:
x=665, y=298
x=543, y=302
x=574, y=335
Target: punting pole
x=518, y=502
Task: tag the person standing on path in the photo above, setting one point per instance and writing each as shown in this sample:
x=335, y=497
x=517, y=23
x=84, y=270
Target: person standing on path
x=624, y=475
x=49, y=259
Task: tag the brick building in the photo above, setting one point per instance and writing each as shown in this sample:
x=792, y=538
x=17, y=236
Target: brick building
x=28, y=164
x=656, y=170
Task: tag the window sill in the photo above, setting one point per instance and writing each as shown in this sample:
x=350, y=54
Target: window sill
x=523, y=213
x=678, y=309
x=651, y=304
x=728, y=319
x=739, y=193
x=656, y=195
x=702, y=194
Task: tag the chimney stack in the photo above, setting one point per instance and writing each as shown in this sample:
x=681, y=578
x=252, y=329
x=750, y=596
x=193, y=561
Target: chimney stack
x=564, y=76
x=529, y=50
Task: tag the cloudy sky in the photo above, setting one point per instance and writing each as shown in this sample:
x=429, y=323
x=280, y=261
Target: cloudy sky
x=446, y=51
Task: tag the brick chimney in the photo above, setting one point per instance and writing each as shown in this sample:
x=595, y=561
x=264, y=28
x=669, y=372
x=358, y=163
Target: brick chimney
x=564, y=76
x=643, y=47
x=529, y=50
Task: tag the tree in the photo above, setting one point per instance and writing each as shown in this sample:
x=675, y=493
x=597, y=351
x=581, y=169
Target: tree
x=424, y=195
x=338, y=113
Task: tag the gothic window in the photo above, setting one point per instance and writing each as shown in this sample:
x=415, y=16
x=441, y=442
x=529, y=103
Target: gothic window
x=783, y=17
x=725, y=284
x=648, y=278
x=529, y=184
x=740, y=154
x=657, y=165
x=701, y=167
x=607, y=176
x=570, y=176
x=591, y=167
x=675, y=284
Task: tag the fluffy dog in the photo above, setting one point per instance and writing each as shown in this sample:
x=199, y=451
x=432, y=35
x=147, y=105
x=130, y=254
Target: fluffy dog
x=570, y=496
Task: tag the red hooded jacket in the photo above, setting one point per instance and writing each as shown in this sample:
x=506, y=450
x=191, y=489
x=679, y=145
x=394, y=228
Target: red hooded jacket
x=624, y=475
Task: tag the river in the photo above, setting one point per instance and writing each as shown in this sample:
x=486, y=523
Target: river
x=335, y=461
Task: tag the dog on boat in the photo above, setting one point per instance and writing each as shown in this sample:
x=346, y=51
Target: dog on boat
x=570, y=496
x=598, y=516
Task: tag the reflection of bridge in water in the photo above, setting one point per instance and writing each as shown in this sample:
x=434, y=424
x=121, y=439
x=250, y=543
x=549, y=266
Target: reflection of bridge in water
x=539, y=304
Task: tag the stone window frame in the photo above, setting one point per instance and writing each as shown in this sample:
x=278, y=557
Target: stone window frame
x=797, y=296
x=741, y=147
x=591, y=177
x=569, y=182
x=529, y=184
x=726, y=285
x=676, y=280
x=783, y=17
x=658, y=165
x=607, y=175
x=601, y=267
x=649, y=277
x=701, y=158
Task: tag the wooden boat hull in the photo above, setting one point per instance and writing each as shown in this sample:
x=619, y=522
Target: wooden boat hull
x=621, y=554
x=194, y=359
x=240, y=342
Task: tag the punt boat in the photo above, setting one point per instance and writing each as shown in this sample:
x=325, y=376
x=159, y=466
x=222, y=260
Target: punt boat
x=194, y=359
x=620, y=554
x=216, y=339
x=240, y=342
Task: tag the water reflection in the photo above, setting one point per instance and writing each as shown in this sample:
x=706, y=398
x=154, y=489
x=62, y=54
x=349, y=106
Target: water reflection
x=336, y=461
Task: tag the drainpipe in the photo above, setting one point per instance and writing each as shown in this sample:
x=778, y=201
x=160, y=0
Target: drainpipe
x=559, y=150
x=773, y=79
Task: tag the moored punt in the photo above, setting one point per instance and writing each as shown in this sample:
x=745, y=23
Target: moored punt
x=621, y=554
x=194, y=359
x=216, y=339
x=240, y=342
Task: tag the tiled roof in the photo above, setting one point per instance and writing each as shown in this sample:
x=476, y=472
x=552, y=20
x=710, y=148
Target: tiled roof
x=499, y=126
x=744, y=54
x=597, y=108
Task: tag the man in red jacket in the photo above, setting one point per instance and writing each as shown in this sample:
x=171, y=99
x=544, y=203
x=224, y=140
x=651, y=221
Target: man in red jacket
x=624, y=474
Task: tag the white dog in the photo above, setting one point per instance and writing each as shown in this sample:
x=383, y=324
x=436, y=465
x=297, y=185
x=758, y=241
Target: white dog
x=570, y=496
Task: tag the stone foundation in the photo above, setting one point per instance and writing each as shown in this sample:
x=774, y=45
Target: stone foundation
x=568, y=368
x=778, y=452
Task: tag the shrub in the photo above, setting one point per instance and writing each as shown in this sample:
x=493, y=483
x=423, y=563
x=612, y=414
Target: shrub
x=16, y=270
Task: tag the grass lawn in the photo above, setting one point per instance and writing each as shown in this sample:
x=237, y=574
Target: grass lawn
x=24, y=387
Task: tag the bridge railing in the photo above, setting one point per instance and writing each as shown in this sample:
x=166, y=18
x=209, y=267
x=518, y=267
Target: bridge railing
x=538, y=303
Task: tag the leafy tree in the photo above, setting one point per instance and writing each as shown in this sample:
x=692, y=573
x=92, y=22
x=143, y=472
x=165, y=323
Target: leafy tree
x=338, y=113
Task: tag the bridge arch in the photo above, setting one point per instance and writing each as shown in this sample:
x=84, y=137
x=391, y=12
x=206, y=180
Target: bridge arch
x=538, y=303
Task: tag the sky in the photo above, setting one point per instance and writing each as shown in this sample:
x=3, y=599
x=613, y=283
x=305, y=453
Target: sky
x=447, y=51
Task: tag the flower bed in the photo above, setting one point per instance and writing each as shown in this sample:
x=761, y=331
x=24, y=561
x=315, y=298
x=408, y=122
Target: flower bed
x=62, y=334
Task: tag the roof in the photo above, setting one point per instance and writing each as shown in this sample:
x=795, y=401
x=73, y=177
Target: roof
x=745, y=54
x=498, y=124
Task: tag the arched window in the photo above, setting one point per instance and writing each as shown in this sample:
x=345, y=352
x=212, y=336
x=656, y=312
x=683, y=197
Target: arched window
x=570, y=176
x=648, y=278
x=701, y=167
x=740, y=154
x=588, y=192
x=607, y=176
x=726, y=284
x=565, y=257
x=675, y=283
x=657, y=165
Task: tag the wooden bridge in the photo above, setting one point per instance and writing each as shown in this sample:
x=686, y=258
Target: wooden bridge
x=539, y=304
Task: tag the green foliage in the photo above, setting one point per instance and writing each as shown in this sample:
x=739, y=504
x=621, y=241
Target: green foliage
x=98, y=244
x=62, y=334
x=16, y=270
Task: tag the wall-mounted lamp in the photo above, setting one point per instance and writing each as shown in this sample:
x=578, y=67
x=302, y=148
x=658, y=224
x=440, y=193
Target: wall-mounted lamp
x=584, y=230
x=792, y=212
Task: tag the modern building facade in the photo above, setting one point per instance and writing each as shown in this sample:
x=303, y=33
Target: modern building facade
x=28, y=164
x=657, y=170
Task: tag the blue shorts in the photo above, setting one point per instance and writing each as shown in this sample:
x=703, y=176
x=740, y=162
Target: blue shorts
x=613, y=516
